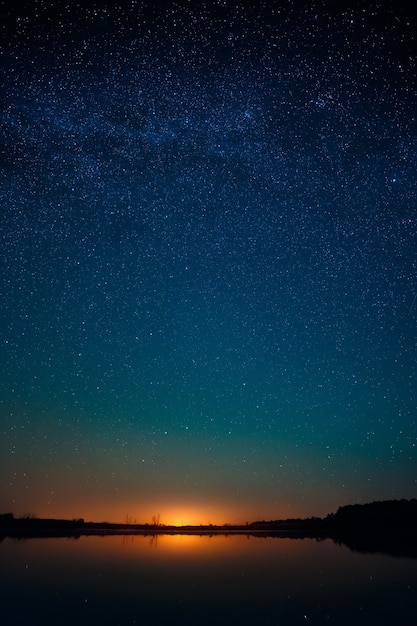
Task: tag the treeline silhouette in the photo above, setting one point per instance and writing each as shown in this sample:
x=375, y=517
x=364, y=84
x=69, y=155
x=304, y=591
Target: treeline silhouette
x=386, y=526
x=375, y=515
x=386, y=514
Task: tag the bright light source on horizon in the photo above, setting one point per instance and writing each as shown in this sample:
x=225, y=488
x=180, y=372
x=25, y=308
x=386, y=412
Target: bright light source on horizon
x=185, y=516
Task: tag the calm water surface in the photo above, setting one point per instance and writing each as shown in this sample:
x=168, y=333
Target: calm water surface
x=201, y=580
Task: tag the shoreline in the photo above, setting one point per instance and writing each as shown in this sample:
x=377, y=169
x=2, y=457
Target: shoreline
x=203, y=532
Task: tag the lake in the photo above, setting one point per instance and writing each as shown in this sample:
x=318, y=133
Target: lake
x=181, y=579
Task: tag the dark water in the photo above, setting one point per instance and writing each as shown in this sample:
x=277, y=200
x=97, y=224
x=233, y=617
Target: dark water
x=201, y=580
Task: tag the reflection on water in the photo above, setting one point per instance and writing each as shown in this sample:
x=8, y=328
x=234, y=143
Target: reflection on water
x=205, y=580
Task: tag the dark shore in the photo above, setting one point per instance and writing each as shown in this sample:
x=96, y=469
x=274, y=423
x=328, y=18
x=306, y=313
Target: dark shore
x=388, y=527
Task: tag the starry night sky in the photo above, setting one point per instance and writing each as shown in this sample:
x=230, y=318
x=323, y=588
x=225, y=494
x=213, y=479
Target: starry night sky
x=208, y=258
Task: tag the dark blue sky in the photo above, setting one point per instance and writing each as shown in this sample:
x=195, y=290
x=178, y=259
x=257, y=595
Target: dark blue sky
x=208, y=258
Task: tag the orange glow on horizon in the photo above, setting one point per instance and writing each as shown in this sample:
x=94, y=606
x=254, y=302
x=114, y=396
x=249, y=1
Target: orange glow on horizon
x=184, y=516
x=166, y=515
x=168, y=512
x=187, y=515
